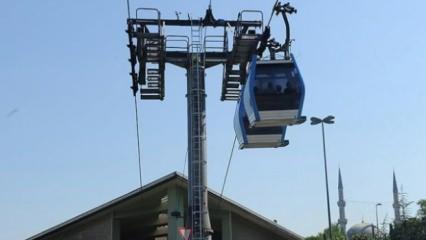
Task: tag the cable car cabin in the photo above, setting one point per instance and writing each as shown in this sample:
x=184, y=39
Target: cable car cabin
x=259, y=137
x=274, y=93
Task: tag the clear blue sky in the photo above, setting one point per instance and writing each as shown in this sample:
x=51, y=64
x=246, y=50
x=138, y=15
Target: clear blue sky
x=71, y=145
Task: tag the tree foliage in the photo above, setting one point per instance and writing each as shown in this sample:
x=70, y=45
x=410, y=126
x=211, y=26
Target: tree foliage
x=412, y=228
x=422, y=210
x=336, y=233
x=361, y=237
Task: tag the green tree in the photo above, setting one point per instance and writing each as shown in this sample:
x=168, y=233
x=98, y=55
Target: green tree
x=361, y=237
x=335, y=232
x=411, y=228
x=421, y=213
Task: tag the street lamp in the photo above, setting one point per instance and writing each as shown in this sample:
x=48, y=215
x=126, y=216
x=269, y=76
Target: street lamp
x=377, y=219
x=326, y=120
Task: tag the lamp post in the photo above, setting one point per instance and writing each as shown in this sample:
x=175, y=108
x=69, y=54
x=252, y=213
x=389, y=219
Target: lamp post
x=326, y=120
x=377, y=220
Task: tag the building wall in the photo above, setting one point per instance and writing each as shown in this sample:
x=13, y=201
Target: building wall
x=244, y=230
x=113, y=222
x=97, y=229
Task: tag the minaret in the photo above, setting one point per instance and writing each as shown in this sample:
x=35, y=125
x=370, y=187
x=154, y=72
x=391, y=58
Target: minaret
x=396, y=205
x=341, y=203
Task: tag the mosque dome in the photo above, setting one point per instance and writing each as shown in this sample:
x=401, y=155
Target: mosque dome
x=360, y=229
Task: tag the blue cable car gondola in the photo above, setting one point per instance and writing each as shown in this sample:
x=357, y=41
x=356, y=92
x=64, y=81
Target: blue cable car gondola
x=274, y=93
x=259, y=137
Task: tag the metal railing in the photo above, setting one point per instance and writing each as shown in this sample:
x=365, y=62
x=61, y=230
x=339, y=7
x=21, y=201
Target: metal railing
x=152, y=10
x=177, y=43
x=239, y=27
x=216, y=42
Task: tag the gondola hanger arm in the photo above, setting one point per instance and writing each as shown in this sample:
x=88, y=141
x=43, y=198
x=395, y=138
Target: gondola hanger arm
x=283, y=9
